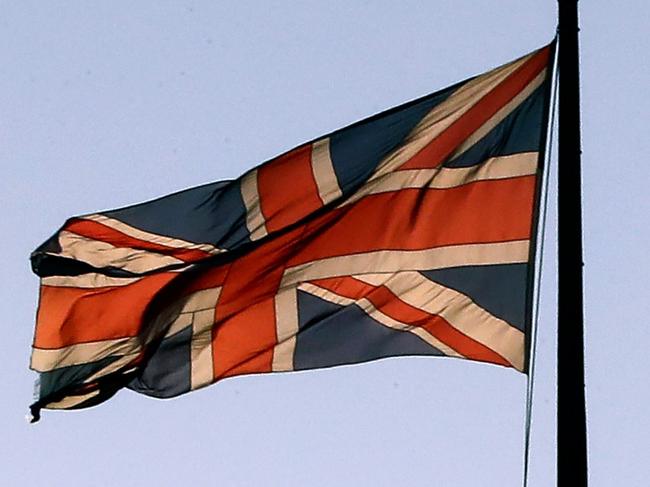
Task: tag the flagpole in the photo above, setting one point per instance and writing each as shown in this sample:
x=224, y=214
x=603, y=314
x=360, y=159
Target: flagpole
x=571, y=413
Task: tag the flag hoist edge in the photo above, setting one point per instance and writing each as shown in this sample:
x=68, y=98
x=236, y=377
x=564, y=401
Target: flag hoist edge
x=409, y=233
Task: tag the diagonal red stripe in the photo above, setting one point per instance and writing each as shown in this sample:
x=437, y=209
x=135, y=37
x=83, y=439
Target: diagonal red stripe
x=391, y=305
x=103, y=233
x=444, y=144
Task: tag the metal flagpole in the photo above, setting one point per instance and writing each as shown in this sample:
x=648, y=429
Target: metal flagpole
x=571, y=413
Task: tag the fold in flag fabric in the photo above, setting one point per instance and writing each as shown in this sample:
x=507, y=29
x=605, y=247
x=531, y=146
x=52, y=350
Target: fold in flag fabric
x=409, y=233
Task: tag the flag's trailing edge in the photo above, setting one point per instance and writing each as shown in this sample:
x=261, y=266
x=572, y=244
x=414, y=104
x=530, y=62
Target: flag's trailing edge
x=409, y=233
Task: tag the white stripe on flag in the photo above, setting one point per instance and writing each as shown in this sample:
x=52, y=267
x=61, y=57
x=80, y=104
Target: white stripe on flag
x=380, y=317
x=502, y=167
x=286, y=313
x=445, y=114
x=101, y=254
x=399, y=260
x=323, y=170
x=255, y=221
x=151, y=237
x=458, y=310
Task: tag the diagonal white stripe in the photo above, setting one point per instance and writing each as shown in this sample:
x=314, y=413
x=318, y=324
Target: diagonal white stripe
x=71, y=401
x=151, y=237
x=458, y=310
x=380, y=317
x=445, y=114
x=323, y=170
x=500, y=115
x=102, y=254
x=88, y=281
x=44, y=360
x=255, y=221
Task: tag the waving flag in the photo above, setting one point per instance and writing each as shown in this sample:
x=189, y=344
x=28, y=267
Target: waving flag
x=409, y=233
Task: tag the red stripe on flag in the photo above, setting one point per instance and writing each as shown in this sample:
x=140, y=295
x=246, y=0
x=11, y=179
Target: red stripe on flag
x=287, y=189
x=388, y=303
x=206, y=278
x=103, y=233
x=244, y=334
x=68, y=315
x=444, y=144
x=480, y=212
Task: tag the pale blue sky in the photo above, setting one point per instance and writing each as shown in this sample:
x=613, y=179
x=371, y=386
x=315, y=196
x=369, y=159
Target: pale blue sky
x=103, y=104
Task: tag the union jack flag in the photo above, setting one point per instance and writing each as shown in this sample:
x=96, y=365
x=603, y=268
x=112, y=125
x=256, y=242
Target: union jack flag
x=408, y=233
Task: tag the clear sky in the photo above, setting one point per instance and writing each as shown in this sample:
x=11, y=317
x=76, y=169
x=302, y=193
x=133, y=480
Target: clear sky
x=104, y=104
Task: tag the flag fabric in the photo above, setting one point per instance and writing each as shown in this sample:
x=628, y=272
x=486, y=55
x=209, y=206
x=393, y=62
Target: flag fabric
x=409, y=233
